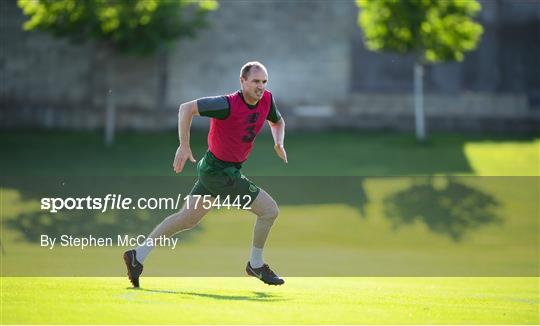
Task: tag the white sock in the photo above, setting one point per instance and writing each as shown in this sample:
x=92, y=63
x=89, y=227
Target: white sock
x=142, y=252
x=256, y=260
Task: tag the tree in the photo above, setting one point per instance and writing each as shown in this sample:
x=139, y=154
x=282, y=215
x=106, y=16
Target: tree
x=432, y=30
x=136, y=27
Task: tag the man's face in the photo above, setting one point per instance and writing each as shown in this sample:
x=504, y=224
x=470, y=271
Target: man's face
x=254, y=85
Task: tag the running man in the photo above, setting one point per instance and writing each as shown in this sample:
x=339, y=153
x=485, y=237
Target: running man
x=236, y=119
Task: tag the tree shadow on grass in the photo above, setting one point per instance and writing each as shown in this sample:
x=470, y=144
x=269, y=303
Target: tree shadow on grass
x=451, y=209
x=81, y=223
x=255, y=296
x=444, y=205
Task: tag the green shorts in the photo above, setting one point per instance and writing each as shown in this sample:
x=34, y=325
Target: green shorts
x=222, y=178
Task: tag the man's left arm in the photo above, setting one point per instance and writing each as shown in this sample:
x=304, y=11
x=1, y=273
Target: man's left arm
x=278, y=132
x=277, y=125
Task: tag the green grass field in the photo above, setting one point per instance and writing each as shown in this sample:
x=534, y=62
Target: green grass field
x=302, y=300
x=309, y=236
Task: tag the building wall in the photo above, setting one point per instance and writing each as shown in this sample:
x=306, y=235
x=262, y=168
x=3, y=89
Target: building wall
x=318, y=70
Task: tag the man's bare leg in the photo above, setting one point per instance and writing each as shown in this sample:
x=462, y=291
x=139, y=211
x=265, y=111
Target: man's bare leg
x=267, y=211
x=187, y=218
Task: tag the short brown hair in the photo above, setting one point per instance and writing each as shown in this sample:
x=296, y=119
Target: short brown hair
x=246, y=68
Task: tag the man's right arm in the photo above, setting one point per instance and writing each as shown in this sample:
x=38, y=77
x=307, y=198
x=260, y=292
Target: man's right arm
x=183, y=153
x=185, y=116
x=216, y=107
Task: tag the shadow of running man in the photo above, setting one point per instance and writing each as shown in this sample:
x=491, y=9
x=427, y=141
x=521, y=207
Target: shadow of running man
x=254, y=296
